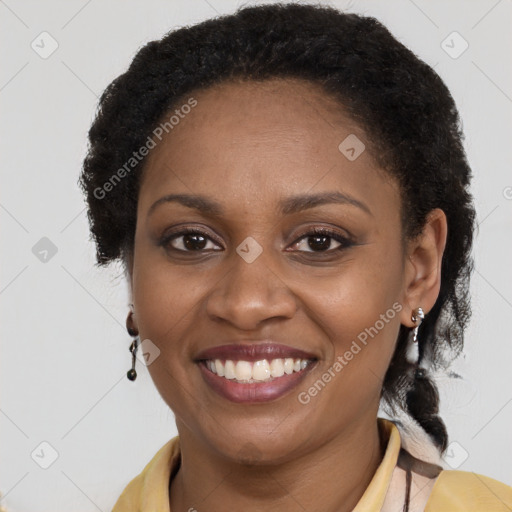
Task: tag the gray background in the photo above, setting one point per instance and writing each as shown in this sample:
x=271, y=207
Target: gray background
x=64, y=347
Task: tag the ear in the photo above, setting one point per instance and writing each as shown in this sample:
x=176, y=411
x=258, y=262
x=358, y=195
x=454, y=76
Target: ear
x=128, y=274
x=422, y=269
x=127, y=259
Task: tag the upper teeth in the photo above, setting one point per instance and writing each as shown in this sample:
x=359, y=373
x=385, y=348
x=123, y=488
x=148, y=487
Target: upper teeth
x=256, y=371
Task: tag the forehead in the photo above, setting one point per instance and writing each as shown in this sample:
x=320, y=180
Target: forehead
x=276, y=137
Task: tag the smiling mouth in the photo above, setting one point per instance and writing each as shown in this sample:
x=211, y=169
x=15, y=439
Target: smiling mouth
x=255, y=382
x=252, y=372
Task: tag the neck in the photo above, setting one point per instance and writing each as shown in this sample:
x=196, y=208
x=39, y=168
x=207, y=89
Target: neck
x=332, y=477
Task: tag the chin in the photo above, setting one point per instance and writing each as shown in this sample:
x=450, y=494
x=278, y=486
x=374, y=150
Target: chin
x=254, y=446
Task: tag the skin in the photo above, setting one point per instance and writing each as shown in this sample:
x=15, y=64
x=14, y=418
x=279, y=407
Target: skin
x=248, y=146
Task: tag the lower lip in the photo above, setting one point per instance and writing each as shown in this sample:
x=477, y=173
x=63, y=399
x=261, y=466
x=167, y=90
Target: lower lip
x=254, y=392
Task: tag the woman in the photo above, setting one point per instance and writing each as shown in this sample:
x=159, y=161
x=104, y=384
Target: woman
x=288, y=192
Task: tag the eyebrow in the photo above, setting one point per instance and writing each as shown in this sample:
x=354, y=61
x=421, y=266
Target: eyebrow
x=287, y=206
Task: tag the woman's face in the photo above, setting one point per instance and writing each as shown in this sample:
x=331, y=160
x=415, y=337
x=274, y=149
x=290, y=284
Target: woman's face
x=259, y=167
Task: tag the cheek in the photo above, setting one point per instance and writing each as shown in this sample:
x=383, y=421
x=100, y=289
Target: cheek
x=351, y=312
x=165, y=299
x=349, y=382
x=347, y=302
x=342, y=301
x=166, y=303
x=358, y=311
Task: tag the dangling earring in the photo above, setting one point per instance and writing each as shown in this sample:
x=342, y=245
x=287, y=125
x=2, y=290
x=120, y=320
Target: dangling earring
x=412, y=354
x=132, y=374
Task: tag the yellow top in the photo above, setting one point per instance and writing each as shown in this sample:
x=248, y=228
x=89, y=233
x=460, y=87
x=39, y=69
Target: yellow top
x=453, y=491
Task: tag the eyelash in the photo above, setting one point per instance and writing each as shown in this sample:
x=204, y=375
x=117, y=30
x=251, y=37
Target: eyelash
x=344, y=242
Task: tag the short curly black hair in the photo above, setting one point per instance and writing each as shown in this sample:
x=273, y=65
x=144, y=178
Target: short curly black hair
x=402, y=105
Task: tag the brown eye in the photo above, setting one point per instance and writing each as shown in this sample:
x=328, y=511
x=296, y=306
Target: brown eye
x=321, y=240
x=188, y=241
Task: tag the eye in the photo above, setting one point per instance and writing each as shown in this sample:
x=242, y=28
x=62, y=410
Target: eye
x=321, y=240
x=189, y=240
x=316, y=240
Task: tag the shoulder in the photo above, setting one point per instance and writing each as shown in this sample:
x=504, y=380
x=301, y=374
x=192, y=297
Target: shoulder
x=151, y=486
x=463, y=490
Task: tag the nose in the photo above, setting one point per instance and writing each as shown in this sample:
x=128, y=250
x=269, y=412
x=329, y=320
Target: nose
x=250, y=294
